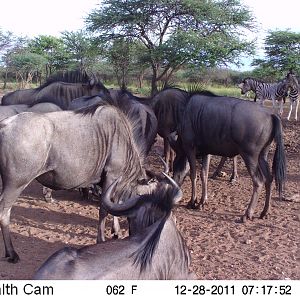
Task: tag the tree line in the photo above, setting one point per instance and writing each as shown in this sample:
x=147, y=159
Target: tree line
x=162, y=42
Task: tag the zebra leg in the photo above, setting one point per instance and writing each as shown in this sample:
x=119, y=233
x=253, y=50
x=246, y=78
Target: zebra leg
x=291, y=108
x=296, y=103
x=281, y=107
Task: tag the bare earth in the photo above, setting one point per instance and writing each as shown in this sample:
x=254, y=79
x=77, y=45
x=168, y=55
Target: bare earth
x=221, y=247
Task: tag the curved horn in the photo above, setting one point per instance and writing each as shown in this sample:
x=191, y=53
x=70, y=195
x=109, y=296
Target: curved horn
x=166, y=169
x=179, y=193
x=117, y=209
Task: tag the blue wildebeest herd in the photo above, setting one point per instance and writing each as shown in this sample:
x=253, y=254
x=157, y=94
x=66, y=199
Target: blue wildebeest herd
x=84, y=135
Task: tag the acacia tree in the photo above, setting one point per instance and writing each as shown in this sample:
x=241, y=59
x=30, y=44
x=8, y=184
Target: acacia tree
x=25, y=65
x=176, y=32
x=81, y=49
x=282, y=53
x=53, y=50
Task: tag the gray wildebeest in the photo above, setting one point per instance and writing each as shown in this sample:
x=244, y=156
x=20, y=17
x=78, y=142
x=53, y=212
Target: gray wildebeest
x=62, y=159
x=239, y=127
x=11, y=110
x=156, y=250
x=60, y=90
x=140, y=113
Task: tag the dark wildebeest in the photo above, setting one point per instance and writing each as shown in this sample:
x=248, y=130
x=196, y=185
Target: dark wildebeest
x=62, y=159
x=140, y=113
x=156, y=250
x=168, y=106
x=240, y=127
x=25, y=96
x=56, y=91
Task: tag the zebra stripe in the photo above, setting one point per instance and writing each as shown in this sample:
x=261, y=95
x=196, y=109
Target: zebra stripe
x=294, y=91
x=272, y=91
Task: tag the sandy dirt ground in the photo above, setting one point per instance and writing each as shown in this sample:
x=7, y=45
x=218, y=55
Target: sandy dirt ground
x=221, y=247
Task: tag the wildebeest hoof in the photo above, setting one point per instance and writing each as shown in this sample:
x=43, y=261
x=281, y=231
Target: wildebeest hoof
x=233, y=179
x=264, y=216
x=49, y=200
x=11, y=259
x=246, y=217
x=200, y=205
x=191, y=205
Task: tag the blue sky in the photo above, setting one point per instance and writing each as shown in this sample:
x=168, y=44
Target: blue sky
x=34, y=17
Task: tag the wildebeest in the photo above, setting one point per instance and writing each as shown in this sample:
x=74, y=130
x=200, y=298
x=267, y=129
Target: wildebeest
x=155, y=250
x=62, y=159
x=128, y=103
x=56, y=91
x=239, y=127
x=168, y=106
x=11, y=110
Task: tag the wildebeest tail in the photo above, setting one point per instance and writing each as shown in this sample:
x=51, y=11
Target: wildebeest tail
x=279, y=160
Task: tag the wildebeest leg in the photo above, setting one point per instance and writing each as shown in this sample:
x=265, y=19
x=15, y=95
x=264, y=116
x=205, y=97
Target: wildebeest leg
x=219, y=167
x=167, y=155
x=268, y=181
x=280, y=104
x=7, y=198
x=204, y=178
x=115, y=228
x=47, y=194
x=191, y=155
x=85, y=193
x=234, y=175
x=101, y=226
x=257, y=179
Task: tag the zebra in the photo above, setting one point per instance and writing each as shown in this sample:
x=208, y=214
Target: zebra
x=294, y=90
x=273, y=91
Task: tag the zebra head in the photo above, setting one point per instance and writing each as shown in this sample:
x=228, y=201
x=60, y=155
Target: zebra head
x=247, y=85
x=292, y=80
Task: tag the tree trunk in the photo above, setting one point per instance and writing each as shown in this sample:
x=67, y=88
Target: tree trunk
x=154, y=88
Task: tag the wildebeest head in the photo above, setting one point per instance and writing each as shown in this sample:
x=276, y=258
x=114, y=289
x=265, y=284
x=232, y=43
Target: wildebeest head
x=144, y=210
x=180, y=164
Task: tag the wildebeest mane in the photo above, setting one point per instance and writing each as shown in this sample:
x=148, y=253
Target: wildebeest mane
x=203, y=93
x=135, y=125
x=74, y=76
x=161, y=202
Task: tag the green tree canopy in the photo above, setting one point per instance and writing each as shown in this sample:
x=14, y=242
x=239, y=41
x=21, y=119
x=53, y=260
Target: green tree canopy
x=282, y=53
x=81, y=48
x=53, y=50
x=176, y=32
x=25, y=64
